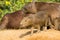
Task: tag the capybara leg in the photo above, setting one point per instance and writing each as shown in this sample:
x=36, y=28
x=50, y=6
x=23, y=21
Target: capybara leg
x=38, y=28
x=51, y=26
x=56, y=25
x=32, y=30
x=45, y=28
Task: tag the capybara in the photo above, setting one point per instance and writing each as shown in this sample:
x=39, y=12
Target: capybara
x=39, y=6
x=52, y=12
x=53, y=9
x=36, y=20
x=12, y=20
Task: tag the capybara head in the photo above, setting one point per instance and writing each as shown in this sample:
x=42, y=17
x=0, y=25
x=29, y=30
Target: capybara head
x=26, y=21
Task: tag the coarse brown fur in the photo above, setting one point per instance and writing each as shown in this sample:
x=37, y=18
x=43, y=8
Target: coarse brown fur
x=39, y=6
x=57, y=23
x=12, y=20
x=53, y=9
x=36, y=20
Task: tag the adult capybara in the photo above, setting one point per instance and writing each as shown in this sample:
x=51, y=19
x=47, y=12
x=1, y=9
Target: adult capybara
x=53, y=13
x=39, y=6
x=35, y=20
x=53, y=9
x=12, y=20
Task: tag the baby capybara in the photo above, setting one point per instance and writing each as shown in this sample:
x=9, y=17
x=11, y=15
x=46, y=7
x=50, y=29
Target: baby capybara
x=12, y=20
x=36, y=20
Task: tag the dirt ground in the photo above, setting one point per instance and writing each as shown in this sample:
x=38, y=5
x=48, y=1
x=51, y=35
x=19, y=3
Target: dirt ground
x=43, y=35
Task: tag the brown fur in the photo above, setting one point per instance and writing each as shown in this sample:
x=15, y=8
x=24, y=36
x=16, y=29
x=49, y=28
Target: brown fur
x=53, y=9
x=57, y=23
x=39, y=6
x=12, y=20
x=53, y=13
x=36, y=20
